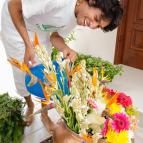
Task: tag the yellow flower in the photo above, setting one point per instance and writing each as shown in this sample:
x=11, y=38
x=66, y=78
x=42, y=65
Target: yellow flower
x=114, y=108
x=95, y=77
x=114, y=137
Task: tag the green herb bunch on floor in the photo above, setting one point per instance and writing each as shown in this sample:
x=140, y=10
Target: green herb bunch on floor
x=11, y=119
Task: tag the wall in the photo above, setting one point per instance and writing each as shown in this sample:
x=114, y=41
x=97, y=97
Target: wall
x=6, y=75
x=95, y=42
x=1, y=3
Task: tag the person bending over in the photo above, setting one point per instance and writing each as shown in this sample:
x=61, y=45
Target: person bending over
x=52, y=20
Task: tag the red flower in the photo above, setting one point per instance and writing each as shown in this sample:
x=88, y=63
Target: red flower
x=124, y=100
x=105, y=128
x=110, y=92
x=120, y=122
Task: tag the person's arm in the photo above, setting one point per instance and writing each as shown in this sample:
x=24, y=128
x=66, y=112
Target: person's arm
x=15, y=10
x=59, y=43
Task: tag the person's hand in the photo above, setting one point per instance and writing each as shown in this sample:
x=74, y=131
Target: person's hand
x=70, y=54
x=29, y=56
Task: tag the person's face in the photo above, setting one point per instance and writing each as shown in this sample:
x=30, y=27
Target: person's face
x=90, y=16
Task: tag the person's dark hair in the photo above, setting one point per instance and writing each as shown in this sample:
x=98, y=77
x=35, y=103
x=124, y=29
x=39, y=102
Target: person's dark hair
x=111, y=9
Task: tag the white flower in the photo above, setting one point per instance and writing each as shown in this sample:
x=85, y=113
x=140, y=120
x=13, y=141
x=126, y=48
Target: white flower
x=95, y=118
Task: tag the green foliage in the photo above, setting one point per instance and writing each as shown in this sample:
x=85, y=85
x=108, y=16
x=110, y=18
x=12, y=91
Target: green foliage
x=69, y=115
x=91, y=62
x=70, y=37
x=54, y=54
x=11, y=119
x=131, y=111
x=70, y=118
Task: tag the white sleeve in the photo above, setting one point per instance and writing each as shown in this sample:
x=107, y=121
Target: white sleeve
x=63, y=32
x=37, y=7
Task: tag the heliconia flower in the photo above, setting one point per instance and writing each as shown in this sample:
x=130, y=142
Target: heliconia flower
x=23, y=67
x=95, y=76
x=105, y=128
x=36, y=40
x=120, y=122
x=124, y=100
x=76, y=69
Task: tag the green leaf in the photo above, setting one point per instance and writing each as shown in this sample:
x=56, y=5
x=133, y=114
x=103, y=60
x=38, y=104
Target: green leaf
x=11, y=119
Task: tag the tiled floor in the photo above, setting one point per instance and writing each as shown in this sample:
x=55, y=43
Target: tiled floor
x=37, y=132
x=131, y=82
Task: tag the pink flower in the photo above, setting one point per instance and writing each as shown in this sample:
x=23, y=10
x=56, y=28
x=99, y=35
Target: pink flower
x=105, y=128
x=120, y=122
x=92, y=103
x=124, y=100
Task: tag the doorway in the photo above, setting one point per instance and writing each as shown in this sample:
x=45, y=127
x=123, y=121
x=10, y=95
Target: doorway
x=129, y=45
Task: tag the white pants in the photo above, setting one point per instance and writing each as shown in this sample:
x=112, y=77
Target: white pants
x=14, y=47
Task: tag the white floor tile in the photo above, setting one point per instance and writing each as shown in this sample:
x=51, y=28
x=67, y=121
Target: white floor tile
x=37, y=123
x=38, y=136
x=139, y=135
x=35, y=126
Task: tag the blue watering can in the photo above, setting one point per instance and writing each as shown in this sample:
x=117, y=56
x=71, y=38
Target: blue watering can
x=36, y=88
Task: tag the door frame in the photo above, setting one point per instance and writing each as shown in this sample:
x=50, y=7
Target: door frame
x=120, y=40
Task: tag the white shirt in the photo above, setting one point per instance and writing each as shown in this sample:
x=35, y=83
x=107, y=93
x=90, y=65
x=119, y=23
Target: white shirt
x=49, y=15
x=41, y=16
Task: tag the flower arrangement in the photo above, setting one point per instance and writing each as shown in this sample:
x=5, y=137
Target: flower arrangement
x=121, y=117
x=87, y=106
x=98, y=114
